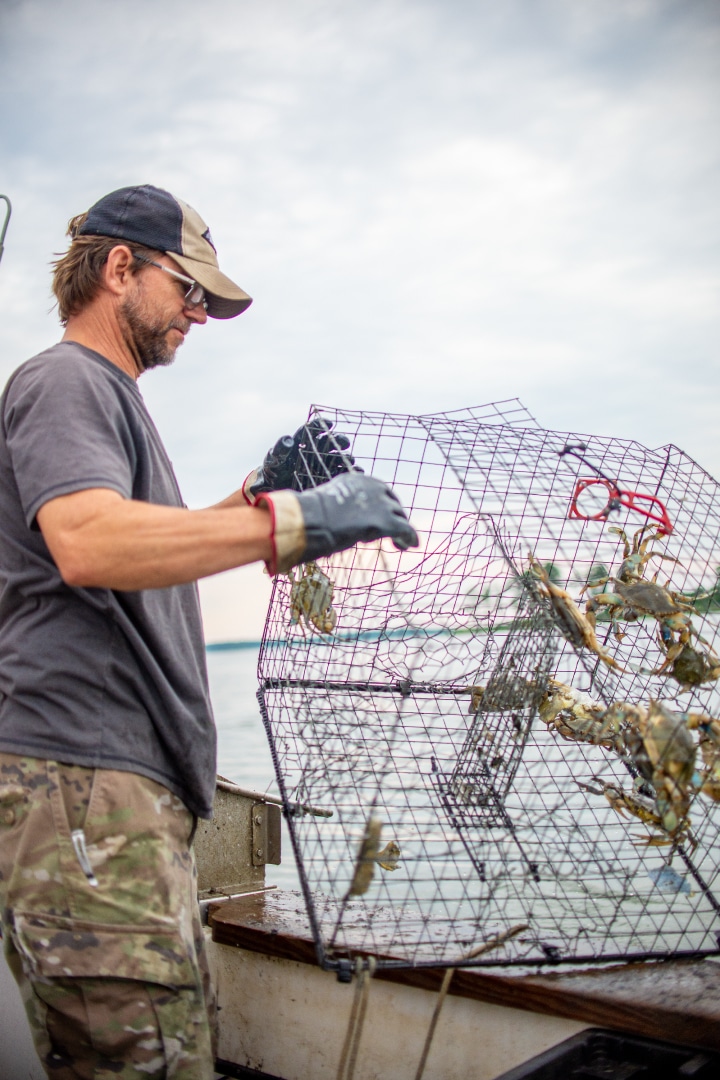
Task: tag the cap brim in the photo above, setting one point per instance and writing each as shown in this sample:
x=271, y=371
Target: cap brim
x=225, y=299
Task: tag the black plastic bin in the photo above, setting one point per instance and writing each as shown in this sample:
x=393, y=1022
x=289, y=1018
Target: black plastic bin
x=597, y=1054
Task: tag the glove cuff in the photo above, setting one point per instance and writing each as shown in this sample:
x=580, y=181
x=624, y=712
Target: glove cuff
x=248, y=483
x=287, y=532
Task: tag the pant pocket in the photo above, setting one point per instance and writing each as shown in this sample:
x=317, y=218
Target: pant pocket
x=56, y=947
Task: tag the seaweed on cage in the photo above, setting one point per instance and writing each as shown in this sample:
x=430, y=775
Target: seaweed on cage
x=463, y=799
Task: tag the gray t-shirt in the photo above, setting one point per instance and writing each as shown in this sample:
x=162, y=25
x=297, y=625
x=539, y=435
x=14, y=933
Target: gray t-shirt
x=94, y=677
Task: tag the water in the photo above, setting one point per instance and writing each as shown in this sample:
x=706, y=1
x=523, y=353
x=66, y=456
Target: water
x=243, y=752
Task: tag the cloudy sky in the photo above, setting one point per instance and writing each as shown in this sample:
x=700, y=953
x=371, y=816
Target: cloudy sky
x=434, y=203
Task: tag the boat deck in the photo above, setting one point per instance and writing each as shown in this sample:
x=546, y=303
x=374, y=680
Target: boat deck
x=676, y=1000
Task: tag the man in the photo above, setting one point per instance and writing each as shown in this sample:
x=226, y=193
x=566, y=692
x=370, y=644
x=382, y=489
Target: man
x=107, y=744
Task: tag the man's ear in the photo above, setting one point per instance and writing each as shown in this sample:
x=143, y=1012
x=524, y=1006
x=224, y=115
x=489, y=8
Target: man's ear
x=118, y=270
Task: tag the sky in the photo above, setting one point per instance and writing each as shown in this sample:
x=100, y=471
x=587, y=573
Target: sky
x=434, y=203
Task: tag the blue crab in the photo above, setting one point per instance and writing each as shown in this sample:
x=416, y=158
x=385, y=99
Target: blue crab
x=645, y=810
x=631, y=596
x=311, y=596
x=577, y=628
x=709, y=744
x=635, y=558
x=686, y=665
x=661, y=747
x=575, y=716
x=638, y=598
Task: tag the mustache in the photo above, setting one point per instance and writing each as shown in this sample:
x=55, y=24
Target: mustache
x=183, y=325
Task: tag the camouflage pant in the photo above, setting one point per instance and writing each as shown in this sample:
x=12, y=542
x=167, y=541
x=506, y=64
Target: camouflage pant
x=113, y=974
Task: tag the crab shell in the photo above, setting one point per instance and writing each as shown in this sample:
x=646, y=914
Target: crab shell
x=691, y=668
x=622, y=801
x=711, y=771
x=311, y=597
x=668, y=742
x=709, y=746
x=672, y=751
x=570, y=712
x=648, y=598
x=559, y=698
x=580, y=724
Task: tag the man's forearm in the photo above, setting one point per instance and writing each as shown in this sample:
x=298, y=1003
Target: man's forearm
x=237, y=499
x=100, y=540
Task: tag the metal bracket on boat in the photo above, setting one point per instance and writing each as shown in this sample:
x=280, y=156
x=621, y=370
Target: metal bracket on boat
x=291, y=809
x=205, y=904
x=265, y=834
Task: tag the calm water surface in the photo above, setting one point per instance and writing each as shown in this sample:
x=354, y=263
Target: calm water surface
x=243, y=753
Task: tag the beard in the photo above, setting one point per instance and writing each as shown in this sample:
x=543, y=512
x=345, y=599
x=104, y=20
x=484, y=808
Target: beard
x=146, y=335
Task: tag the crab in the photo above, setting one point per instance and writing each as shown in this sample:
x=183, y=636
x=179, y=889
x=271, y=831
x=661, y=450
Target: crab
x=575, y=626
x=632, y=596
x=639, y=598
x=635, y=558
x=709, y=745
x=663, y=750
x=574, y=716
x=311, y=597
x=687, y=666
x=389, y=857
x=645, y=810
x=369, y=855
x=617, y=723
x=504, y=692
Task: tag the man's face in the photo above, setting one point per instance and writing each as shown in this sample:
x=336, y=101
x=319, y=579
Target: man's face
x=154, y=316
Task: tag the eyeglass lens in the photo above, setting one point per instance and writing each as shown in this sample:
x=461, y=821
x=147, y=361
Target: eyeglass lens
x=195, y=294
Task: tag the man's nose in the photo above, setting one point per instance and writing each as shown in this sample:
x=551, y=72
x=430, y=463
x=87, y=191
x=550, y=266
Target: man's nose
x=197, y=313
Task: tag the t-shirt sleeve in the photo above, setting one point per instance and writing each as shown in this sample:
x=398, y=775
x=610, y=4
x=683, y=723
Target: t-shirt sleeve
x=66, y=431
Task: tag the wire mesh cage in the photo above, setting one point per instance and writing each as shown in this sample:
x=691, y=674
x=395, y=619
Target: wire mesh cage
x=511, y=732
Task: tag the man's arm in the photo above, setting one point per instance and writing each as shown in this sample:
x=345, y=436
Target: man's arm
x=98, y=539
x=237, y=499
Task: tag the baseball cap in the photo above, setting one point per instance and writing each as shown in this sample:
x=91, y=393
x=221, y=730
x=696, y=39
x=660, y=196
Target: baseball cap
x=153, y=217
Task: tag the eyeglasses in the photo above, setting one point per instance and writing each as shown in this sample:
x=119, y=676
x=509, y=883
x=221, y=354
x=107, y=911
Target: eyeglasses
x=195, y=292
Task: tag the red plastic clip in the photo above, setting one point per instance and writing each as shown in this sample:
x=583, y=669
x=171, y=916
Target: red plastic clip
x=631, y=500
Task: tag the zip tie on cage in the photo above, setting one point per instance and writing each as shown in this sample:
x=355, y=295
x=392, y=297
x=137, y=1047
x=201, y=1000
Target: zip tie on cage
x=617, y=497
x=487, y=946
x=348, y=1058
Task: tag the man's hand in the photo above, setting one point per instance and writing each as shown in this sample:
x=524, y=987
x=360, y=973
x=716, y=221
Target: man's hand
x=313, y=455
x=347, y=510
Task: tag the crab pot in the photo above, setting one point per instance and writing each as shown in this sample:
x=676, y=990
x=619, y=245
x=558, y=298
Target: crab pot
x=454, y=725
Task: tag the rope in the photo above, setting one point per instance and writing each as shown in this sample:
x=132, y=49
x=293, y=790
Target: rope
x=348, y=1058
x=487, y=946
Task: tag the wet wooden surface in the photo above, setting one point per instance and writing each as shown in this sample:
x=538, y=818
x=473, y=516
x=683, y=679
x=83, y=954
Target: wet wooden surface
x=677, y=1000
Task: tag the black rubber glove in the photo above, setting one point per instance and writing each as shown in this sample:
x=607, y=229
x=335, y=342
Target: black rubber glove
x=313, y=455
x=321, y=454
x=351, y=509
x=331, y=517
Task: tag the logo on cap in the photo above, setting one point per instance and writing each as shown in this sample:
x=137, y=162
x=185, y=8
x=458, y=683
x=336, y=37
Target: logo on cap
x=206, y=236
